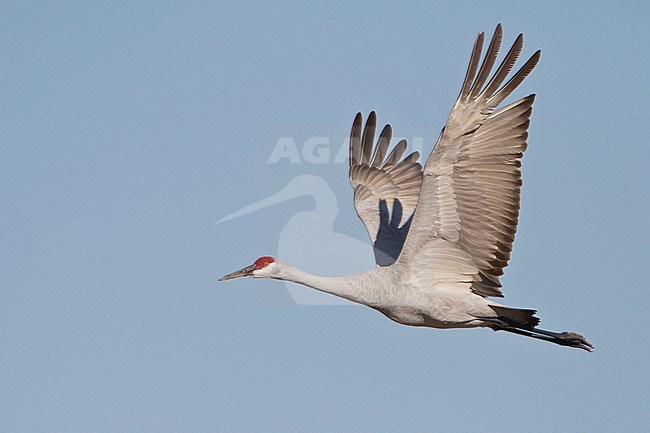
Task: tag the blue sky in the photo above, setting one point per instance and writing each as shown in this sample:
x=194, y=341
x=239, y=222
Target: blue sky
x=130, y=128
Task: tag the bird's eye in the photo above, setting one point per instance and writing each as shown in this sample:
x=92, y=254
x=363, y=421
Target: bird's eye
x=265, y=264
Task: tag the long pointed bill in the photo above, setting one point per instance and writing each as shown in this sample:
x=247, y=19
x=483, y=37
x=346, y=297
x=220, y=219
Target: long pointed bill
x=245, y=272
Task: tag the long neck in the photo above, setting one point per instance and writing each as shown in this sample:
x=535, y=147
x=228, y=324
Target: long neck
x=350, y=287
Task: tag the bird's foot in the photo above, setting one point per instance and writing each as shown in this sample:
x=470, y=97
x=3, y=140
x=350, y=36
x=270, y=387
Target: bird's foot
x=575, y=340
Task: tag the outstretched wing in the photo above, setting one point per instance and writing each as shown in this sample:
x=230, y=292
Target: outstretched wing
x=386, y=187
x=472, y=179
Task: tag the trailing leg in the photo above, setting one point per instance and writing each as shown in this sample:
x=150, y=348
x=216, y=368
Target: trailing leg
x=571, y=339
x=524, y=322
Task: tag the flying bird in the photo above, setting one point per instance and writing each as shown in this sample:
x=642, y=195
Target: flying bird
x=442, y=234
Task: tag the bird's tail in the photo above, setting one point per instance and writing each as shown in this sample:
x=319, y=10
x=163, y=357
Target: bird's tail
x=524, y=322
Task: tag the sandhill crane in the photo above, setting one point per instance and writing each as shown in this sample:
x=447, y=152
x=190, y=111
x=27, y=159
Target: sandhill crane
x=442, y=234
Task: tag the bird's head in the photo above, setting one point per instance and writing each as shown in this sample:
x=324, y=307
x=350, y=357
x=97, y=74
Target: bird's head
x=264, y=267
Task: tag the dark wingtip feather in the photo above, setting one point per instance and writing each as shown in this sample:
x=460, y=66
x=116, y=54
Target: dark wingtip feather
x=516, y=79
x=488, y=61
x=355, y=140
x=505, y=67
x=368, y=138
x=382, y=146
x=413, y=157
x=474, y=60
x=397, y=152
